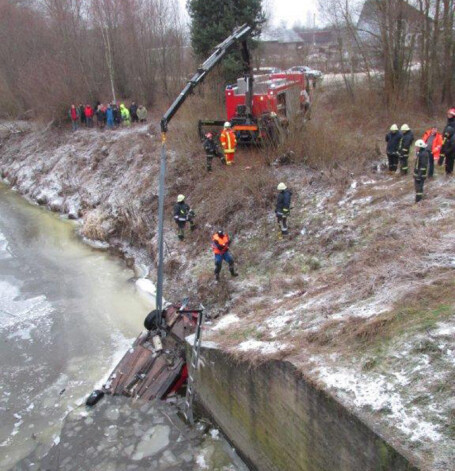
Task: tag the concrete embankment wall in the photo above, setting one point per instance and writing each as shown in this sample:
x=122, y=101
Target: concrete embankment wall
x=279, y=421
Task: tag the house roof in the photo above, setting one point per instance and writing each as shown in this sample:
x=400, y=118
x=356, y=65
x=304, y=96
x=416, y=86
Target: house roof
x=280, y=35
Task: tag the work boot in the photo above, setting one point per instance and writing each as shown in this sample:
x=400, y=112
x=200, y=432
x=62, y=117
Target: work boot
x=233, y=273
x=192, y=227
x=217, y=276
x=181, y=237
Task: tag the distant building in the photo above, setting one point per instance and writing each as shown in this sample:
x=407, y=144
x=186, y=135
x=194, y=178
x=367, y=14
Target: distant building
x=317, y=37
x=373, y=15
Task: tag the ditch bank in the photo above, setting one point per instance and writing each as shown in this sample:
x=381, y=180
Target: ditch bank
x=357, y=308
x=279, y=420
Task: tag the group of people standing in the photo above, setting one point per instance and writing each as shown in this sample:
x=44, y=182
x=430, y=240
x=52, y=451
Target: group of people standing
x=432, y=147
x=220, y=240
x=110, y=116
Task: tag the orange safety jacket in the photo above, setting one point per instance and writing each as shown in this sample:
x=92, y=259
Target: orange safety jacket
x=220, y=245
x=228, y=141
x=437, y=143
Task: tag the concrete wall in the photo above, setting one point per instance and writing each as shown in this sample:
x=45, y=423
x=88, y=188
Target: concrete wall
x=279, y=421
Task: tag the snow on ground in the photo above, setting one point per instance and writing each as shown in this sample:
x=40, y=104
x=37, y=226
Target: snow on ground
x=377, y=393
x=266, y=348
x=225, y=321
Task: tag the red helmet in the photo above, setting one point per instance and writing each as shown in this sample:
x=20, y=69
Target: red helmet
x=451, y=112
x=209, y=135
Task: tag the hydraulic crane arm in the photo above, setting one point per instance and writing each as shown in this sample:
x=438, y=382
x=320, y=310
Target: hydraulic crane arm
x=239, y=34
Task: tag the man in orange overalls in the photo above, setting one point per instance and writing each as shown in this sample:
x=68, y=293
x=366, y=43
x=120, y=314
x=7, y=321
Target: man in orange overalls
x=228, y=142
x=220, y=246
x=433, y=140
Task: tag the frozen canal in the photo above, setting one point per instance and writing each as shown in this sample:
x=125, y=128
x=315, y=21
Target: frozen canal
x=67, y=313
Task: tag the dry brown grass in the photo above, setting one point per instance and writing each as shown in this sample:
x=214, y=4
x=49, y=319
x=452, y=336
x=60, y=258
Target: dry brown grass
x=417, y=311
x=93, y=227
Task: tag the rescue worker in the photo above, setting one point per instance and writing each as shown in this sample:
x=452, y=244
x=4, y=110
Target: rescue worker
x=125, y=114
x=211, y=150
x=228, y=142
x=448, y=149
x=282, y=209
x=433, y=140
x=406, y=141
x=220, y=246
x=450, y=119
x=421, y=167
x=393, y=139
x=182, y=214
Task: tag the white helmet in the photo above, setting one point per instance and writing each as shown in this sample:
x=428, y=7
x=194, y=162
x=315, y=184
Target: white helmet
x=281, y=186
x=394, y=128
x=405, y=128
x=227, y=124
x=421, y=143
x=180, y=198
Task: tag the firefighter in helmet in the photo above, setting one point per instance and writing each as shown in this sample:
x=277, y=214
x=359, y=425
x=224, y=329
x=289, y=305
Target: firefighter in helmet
x=421, y=167
x=283, y=207
x=228, y=142
x=407, y=138
x=182, y=214
x=220, y=246
x=211, y=150
x=393, y=138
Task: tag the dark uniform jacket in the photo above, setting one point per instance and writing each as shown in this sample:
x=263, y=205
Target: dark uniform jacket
x=406, y=142
x=421, y=164
x=450, y=124
x=448, y=143
x=181, y=211
x=210, y=146
x=283, y=203
x=393, y=141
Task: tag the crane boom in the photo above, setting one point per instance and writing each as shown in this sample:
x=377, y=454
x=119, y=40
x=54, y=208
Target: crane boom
x=239, y=34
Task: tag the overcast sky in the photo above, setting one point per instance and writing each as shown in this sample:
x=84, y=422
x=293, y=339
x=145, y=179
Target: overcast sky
x=287, y=11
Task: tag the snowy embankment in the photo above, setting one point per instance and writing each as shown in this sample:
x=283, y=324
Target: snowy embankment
x=373, y=317
x=361, y=297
